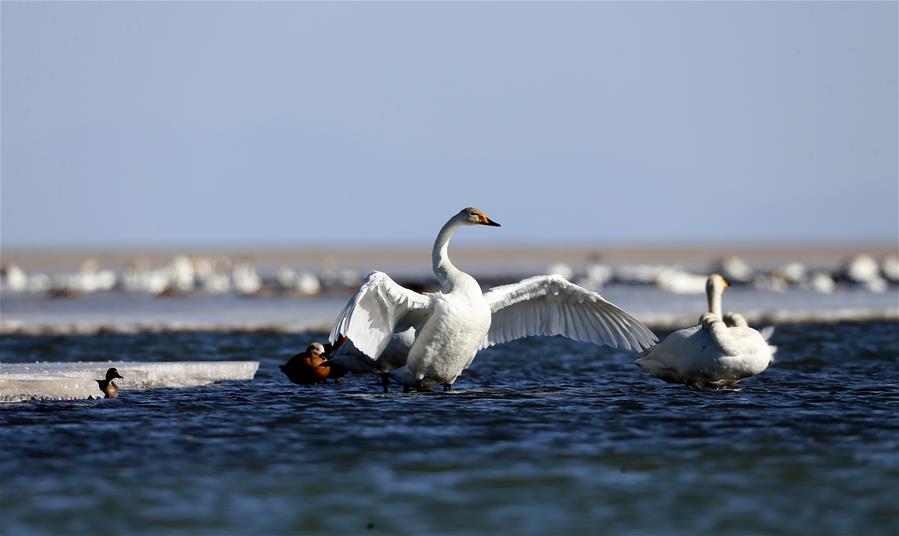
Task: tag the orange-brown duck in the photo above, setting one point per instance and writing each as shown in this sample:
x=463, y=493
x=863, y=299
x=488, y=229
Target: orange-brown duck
x=305, y=368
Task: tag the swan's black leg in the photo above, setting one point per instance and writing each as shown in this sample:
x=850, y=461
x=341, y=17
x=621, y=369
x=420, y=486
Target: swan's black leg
x=385, y=382
x=447, y=387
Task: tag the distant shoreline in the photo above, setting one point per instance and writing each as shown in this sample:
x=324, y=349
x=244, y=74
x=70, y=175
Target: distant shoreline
x=418, y=257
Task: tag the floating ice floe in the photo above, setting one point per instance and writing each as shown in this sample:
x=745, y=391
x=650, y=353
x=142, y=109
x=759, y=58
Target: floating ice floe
x=72, y=381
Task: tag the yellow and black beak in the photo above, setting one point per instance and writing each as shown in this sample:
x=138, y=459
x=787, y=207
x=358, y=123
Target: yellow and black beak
x=487, y=221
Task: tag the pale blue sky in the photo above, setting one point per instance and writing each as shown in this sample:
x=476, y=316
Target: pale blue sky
x=225, y=124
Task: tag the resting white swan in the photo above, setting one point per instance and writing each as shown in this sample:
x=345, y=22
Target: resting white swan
x=715, y=353
x=453, y=324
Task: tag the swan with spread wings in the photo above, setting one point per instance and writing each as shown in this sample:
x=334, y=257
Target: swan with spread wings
x=453, y=324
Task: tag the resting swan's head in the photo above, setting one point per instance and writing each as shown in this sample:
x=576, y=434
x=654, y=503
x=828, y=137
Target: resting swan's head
x=473, y=216
x=715, y=284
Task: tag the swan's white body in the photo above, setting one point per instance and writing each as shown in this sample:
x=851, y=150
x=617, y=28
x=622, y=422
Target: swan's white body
x=715, y=353
x=451, y=336
x=453, y=324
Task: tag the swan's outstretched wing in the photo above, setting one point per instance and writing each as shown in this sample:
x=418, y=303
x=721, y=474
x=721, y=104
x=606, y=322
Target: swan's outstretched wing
x=376, y=310
x=550, y=305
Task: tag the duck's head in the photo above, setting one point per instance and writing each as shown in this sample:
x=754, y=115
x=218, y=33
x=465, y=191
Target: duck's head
x=112, y=374
x=316, y=349
x=473, y=216
x=716, y=283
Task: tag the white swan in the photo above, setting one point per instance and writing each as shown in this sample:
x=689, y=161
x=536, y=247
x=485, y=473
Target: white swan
x=715, y=353
x=456, y=322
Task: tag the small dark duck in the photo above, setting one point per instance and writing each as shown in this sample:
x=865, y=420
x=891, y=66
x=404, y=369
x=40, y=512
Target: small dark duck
x=305, y=368
x=108, y=386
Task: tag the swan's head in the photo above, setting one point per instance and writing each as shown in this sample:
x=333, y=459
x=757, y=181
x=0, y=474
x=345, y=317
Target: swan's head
x=716, y=283
x=473, y=216
x=316, y=349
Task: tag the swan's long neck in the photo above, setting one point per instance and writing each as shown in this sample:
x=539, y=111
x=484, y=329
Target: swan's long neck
x=713, y=293
x=445, y=271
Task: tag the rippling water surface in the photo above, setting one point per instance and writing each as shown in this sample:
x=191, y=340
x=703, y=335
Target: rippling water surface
x=540, y=436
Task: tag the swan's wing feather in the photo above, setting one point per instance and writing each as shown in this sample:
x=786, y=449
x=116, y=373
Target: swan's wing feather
x=550, y=305
x=377, y=309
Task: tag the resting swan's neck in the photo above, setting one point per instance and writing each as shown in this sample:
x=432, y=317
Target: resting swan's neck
x=713, y=294
x=444, y=269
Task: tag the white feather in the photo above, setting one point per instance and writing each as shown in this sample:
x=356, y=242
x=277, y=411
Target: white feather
x=377, y=310
x=550, y=305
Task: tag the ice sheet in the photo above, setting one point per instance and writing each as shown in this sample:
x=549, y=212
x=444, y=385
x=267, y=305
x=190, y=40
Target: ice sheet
x=72, y=381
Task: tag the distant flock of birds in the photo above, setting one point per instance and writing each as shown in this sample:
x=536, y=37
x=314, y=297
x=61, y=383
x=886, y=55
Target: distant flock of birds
x=182, y=276
x=187, y=276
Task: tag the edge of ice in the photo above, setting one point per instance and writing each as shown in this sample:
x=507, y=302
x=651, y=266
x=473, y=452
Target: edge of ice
x=74, y=381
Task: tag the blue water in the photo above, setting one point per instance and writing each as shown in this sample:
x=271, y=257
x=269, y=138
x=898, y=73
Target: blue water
x=541, y=436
